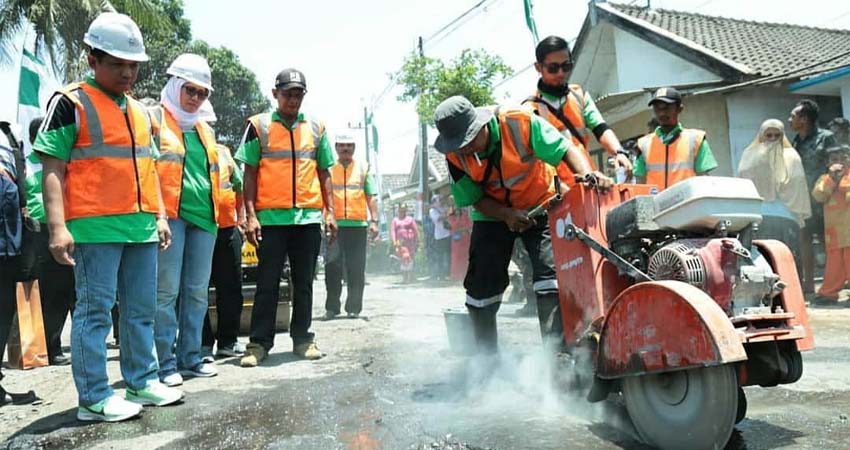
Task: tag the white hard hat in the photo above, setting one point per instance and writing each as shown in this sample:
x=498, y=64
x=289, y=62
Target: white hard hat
x=192, y=68
x=344, y=139
x=117, y=35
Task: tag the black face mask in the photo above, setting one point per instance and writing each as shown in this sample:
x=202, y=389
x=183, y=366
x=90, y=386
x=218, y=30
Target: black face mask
x=558, y=91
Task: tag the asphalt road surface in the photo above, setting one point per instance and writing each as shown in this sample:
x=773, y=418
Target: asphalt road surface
x=390, y=382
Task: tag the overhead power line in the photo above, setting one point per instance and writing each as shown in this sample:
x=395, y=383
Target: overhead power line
x=457, y=19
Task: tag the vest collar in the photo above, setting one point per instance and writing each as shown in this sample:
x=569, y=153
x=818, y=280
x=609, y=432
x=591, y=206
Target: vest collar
x=554, y=91
x=667, y=138
x=121, y=100
x=277, y=118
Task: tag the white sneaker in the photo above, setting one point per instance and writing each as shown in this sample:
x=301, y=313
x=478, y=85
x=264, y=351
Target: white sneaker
x=175, y=379
x=155, y=394
x=113, y=409
x=202, y=370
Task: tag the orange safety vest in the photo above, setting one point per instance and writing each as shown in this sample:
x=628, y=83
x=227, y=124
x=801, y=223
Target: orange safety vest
x=111, y=168
x=573, y=111
x=288, y=173
x=227, y=198
x=519, y=179
x=348, y=187
x=172, y=155
x=668, y=164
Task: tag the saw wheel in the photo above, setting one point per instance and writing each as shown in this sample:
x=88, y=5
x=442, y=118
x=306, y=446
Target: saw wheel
x=687, y=409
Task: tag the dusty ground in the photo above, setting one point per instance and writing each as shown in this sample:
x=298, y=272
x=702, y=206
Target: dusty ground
x=389, y=382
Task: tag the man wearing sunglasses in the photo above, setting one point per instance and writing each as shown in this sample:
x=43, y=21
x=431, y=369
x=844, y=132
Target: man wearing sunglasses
x=287, y=159
x=568, y=107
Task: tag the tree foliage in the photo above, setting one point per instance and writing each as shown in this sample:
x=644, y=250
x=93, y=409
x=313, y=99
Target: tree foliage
x=59, y=26
x=429, y=81
x=237, y=94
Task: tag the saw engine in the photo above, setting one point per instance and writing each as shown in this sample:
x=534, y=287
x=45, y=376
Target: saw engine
x=740, y=280
x=700, y=233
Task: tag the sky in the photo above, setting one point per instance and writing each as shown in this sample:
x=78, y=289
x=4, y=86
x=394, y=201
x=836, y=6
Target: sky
x=347, y=49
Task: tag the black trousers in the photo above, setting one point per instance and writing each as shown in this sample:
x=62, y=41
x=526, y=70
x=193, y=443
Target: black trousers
x=301, y=244
x=226, y=277
x=8, y=302
x=348, y=258
x=490, y=251
x=55, y=283
x=442, y=257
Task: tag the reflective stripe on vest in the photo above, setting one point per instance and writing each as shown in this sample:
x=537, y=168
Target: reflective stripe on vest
x=348, y=191
x=110, y=169
x=287, y=176
x=667, y=164
x=171, y=162
x=519, y=179
x=227, y=216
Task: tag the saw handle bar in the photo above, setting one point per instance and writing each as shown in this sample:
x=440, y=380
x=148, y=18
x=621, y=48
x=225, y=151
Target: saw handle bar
x=543, y=208
x=588, y=179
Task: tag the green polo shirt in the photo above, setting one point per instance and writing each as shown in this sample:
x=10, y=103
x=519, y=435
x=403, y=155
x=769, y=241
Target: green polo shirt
x=369, y=189
x=196, y=204
x=592, y=116
x=35, y=200
x=57, y=138
x=250, y=153
x=704, y=161
x=547, y=144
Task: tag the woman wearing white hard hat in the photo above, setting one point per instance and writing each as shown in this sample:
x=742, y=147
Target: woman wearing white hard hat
x=188, y=171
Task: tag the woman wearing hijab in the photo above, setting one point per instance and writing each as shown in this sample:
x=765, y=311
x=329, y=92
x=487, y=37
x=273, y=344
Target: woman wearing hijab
x=188, y=170
x=777, y=171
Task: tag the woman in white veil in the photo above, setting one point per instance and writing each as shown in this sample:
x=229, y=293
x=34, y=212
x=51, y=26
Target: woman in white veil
x=776, y=169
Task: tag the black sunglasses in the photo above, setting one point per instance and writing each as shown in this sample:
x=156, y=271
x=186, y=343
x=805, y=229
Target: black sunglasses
x=201, y=94
x=566, y=66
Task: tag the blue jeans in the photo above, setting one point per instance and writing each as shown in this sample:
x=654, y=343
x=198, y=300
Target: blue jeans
x=101, y=272
x=184, y=270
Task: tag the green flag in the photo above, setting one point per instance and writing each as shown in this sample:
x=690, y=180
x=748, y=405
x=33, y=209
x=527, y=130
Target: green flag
x=529, y=19
x=34, y=88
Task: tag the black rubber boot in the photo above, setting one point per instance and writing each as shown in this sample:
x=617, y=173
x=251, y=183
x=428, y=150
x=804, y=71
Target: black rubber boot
x=551, y=324
x=484, y=328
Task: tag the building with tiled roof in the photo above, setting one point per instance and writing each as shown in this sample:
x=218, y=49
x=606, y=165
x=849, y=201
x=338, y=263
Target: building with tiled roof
x=734, y=73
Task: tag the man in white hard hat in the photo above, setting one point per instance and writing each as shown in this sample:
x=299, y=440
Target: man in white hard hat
x=106, y=219
x=356, y=210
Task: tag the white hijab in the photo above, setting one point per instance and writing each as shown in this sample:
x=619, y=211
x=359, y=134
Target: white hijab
x=170, y=98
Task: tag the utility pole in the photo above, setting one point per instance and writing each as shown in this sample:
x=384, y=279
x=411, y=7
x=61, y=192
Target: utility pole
x=423, y=155
x=366, y=134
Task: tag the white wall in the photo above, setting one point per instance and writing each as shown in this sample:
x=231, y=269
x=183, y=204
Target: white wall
x=641, y=64
x=747, y=110
x=845, y=97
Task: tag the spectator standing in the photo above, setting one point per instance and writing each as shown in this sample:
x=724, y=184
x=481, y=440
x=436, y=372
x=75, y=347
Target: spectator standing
x=188, y=169
x=106, y=219
x=226, y=274
x=442, y=248
x=811, y=143
x=287, y=157
x=832, y=189
x=405, y=233
x=777, y=172
x=12, y=202
x=461, y=227
x=671, y=153
x=354, y=203
x=840, y=128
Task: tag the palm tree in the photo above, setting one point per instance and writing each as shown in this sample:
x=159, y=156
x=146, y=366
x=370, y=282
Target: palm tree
x=59, y=27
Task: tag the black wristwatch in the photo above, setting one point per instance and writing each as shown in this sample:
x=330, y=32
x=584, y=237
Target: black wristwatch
x=622, y=151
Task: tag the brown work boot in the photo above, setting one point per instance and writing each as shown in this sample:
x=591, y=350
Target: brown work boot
x=308, y=350
x=254, y=355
